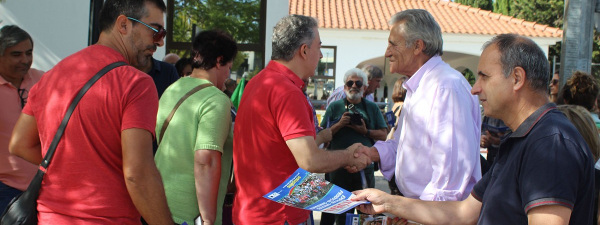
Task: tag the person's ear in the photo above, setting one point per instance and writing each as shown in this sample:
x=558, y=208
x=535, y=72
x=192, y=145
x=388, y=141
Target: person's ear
x=122, y=24
x=419, y=46
x=519, y=77
x=219, y=60
x=302, y=51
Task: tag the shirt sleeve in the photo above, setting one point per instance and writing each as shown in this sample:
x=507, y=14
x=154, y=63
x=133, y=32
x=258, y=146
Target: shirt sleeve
x=387, y=154
x=550, y=174
x=141, y=105
x=214, y=123
x=454, y=153
x=337, y=94
x=293, y=115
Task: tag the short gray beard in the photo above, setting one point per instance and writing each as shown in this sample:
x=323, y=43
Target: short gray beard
x=354, y=96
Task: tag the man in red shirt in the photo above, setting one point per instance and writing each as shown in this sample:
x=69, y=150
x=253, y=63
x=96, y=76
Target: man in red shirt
x=274, y=132
x=103, y=171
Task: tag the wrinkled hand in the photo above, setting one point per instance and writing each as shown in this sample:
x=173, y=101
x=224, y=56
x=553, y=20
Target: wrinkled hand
x=376, y=197
x=358, y=161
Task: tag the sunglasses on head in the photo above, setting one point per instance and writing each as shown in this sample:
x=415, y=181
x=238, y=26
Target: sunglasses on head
x=158, y=34
x=554, y=81
x=358, y=83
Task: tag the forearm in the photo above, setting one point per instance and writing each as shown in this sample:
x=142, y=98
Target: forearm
x=378, y=135
x=25, y=140
x=325, y=161
x=429, y=212
x=207, y=175
x=148, y=195
x=31, y=154
x=142, y=179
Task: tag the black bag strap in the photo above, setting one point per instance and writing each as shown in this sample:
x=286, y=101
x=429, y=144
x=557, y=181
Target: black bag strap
x=63, y=124
x=170, y=116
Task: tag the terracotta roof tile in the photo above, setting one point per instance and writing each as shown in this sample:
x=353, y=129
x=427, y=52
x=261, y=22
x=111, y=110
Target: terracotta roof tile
x=452, y=17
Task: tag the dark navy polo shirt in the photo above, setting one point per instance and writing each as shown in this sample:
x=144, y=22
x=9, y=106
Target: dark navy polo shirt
x=163, y=74
x=544, y=162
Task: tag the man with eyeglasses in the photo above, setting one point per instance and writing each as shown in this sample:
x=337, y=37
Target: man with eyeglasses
x=103, y=171
x=351, y=120
x=16, y=78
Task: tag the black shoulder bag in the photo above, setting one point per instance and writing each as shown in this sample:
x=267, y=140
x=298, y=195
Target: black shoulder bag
x=22, y=210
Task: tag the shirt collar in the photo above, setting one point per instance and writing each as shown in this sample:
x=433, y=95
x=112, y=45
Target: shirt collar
x=281, y=69
x=155, y=65
x=532, y=120
x=413, y=82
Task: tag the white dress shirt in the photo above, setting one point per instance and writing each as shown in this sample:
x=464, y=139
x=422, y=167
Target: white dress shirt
x=435, y=150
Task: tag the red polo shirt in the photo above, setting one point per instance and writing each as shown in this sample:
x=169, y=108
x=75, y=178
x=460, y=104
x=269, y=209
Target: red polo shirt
x=273, y=110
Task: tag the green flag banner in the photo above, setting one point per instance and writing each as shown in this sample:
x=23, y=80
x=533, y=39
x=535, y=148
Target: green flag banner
x=236, y=97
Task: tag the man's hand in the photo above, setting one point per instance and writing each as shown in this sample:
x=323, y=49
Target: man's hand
x=357, y=163
x=361, y=129
x=490, y=139
x=376, y=197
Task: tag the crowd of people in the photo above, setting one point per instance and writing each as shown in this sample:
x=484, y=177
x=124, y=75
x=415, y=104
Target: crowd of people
x=159, y=142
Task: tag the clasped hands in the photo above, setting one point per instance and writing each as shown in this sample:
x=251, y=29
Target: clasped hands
x=359, y=158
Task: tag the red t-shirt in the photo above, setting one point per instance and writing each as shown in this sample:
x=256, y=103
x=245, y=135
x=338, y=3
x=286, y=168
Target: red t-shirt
x=273, y=110
x=84, y=183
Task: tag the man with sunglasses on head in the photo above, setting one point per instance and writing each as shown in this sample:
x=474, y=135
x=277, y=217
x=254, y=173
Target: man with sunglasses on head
x=16, y=79
x=351, y=120
x=103, y=171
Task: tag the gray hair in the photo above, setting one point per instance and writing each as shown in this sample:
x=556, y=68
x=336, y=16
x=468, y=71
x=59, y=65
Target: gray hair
x=521, y=51
x=290, y=33
x=12, y=35
x=356, y=72
x=372, y=71
x=420, y=25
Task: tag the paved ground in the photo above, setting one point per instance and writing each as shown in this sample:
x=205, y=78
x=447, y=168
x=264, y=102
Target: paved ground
x=380, y=183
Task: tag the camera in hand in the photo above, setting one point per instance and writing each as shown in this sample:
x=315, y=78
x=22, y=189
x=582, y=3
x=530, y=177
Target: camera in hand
x=355, y=116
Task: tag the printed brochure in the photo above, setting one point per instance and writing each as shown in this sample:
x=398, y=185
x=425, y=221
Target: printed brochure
x=308, y=191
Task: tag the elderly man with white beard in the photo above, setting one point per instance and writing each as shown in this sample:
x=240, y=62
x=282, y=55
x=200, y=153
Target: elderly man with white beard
x=353, y=120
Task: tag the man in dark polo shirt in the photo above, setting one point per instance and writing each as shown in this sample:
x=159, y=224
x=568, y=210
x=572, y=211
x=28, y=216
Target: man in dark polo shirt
x=543, y=173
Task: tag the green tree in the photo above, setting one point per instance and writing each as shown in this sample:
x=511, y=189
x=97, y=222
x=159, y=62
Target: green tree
x=482, y=4
x=240, y=18
x=550, y=13
x=502, y=7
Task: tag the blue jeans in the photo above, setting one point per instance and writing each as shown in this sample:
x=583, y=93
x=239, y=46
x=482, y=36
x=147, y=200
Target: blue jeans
x=7, y=193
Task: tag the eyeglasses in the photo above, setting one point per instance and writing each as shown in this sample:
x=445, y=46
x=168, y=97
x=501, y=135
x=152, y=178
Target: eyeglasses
x=554, y=81
x=23, y=94
x=158, y=34
x=358, y=83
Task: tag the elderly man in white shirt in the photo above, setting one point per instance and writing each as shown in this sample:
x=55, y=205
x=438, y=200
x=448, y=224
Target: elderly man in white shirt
x=435, y=153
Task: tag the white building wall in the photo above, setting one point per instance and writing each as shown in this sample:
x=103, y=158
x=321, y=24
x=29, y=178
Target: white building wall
x=353, y=47
x=275, y=11
x=59, y=28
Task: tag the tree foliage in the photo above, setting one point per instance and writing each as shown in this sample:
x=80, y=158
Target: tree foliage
x=548, y=12
x=482, y=4
x=240, y=18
